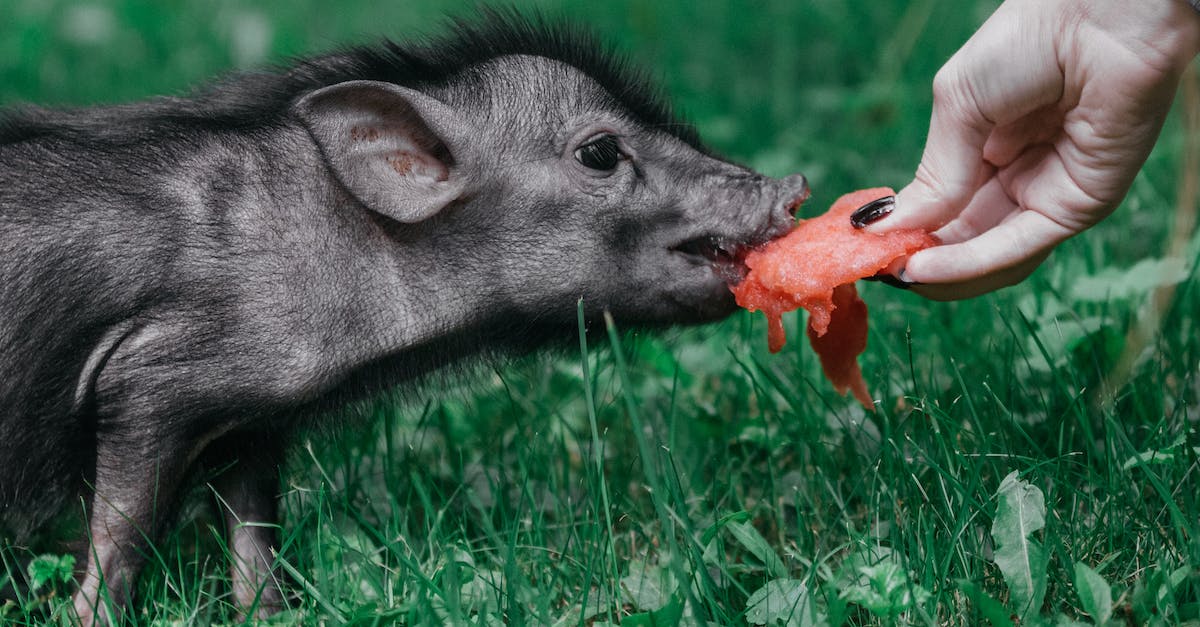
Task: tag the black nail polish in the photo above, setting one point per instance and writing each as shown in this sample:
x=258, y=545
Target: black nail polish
x=872, y=211
x=888, y=279
x=894, y=281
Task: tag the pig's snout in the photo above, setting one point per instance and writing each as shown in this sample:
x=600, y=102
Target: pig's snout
x=790, y=193
x=793, y=192
x=735, y=213
x=752, y=211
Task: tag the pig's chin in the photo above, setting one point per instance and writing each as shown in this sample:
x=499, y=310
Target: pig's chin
x=707, y=266
x=701, y=292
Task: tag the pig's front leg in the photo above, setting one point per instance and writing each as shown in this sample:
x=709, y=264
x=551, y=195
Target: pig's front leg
x=247, y=497
x=153, y=411
x=137, y=478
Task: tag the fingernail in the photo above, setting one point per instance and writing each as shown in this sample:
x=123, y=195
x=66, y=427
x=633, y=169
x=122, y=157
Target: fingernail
x=872, y=211
x=898, y=280
x=888, y=279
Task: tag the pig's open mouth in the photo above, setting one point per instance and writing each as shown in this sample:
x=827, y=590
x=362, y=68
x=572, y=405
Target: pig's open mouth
x=726, y=256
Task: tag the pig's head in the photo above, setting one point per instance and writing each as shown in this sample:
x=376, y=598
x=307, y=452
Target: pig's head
x=546, y=172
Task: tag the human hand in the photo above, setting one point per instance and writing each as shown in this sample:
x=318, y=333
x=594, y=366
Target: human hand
x=1040, y=124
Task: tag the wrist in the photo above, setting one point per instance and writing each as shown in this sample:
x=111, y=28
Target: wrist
x=1193, y=21
x=1194, y=14
x=1170, y=29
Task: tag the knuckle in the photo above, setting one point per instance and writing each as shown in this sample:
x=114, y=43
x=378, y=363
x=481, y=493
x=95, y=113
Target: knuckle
x=946, y=84
x=957, y=97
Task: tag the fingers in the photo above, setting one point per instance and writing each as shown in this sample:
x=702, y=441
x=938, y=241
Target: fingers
x=1000, y=238
x=1011, y=249
x=977, y=287
x=990, y=206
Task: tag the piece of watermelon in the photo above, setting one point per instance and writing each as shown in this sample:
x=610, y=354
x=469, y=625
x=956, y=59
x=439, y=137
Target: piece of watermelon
x=844, y=339
x=815, y=267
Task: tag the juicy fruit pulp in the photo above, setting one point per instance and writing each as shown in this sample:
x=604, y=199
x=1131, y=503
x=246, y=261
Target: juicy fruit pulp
x=815, y=267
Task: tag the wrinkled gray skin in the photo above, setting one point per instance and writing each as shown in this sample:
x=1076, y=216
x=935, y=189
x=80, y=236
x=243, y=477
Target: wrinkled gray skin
x=177, y=295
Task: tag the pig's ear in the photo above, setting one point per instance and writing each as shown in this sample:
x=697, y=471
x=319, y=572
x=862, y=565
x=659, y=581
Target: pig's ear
x=388, y=145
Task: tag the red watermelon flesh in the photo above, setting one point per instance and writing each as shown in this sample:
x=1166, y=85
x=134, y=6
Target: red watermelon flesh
x=815, y=267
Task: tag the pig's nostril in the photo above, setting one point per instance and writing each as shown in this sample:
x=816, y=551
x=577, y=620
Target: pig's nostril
x=796, y=182
x=795, y=188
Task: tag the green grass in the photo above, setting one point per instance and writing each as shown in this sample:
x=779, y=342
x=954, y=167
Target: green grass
x=671, y=477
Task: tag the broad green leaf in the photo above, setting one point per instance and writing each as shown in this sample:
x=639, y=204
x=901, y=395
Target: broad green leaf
x=752, y=540
x=1141, y=278
x=864, y=555
x=1094, y=593
x=50, y=569
x=783, y=602
x=647, y=587
x=669, y=615
x=598, y=602
x=992, y=610
x=482, y=590
x=880, y=583
x=1021, y=513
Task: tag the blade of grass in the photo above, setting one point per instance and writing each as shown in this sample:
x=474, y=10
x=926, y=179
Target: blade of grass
x=598, y=452
x=649, y=467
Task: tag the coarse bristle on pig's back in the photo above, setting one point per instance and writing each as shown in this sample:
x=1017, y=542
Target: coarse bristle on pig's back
x=262, y=99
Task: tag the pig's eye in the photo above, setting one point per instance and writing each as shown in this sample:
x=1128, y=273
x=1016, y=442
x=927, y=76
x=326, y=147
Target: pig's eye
x=602, y=153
